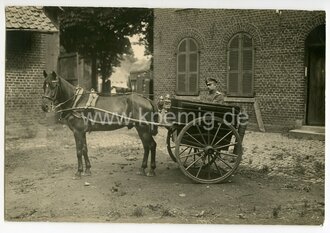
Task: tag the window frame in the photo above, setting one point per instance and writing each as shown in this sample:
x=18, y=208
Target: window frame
x=240, y=49
x=17, y=40
x=187, y=72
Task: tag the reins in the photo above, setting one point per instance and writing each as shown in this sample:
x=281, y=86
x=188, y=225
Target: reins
x=60, y=104
x=117, y=115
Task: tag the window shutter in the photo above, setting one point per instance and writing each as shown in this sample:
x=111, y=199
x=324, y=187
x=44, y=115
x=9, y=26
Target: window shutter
x=192, y=46
x=182, y=63
x=240, y=59
x=193, y=84
x=233, y=75
x=233, y=67
x=193, y=62
x=182, y=47
x=187, y=68
x=193, y=69
x=247, y=41
x=247, y=69
x=181, y=86
x=247, y=84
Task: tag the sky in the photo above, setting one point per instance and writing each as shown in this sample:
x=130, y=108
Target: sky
x=137, y=49
x=120, y=76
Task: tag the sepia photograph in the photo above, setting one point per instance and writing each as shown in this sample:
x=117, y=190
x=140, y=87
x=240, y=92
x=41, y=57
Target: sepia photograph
x=205, y=116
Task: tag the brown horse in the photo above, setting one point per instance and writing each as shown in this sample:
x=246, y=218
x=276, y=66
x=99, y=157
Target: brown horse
x=61, y=96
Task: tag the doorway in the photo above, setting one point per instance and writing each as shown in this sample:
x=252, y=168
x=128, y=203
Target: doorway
x=315, y=56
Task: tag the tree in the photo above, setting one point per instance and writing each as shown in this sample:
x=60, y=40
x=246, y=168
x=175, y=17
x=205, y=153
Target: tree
x=101, y=34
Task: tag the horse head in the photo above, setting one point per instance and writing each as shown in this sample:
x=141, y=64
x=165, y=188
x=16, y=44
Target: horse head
x=51, y=91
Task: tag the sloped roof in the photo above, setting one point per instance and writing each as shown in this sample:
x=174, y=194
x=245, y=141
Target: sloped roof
x=30, y=18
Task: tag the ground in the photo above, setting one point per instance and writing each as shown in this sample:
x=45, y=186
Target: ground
x=279, y=181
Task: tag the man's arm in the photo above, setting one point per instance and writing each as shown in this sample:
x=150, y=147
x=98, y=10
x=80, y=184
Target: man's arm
x=219, y=98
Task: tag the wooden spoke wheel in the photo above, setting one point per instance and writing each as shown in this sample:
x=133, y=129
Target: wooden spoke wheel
x=208, y=150
x=170, y=142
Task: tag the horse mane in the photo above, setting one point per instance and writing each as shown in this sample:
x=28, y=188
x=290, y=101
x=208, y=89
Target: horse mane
x=67, y=88
x=63, y=80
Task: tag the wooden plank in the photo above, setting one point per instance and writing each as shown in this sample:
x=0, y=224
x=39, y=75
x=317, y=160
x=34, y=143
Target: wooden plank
x=239, y=100
x=258, y=115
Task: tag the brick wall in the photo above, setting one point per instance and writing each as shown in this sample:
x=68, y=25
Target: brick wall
x=23, y=83
x=279, y=39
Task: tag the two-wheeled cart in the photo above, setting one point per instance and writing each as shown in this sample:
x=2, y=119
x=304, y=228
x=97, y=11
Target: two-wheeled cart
x=205, y=139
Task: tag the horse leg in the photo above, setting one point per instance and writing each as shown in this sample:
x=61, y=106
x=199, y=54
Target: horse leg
x=146, y=147
x=79, y=148
x=153, y=146
x=145, y=160
x=85, y=154
x=149, y=144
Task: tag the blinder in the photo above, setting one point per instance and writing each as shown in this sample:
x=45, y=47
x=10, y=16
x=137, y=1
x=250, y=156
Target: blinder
x=55, y=92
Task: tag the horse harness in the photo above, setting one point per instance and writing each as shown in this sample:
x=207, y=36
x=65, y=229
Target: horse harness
x=76, y=110
x=91, y=102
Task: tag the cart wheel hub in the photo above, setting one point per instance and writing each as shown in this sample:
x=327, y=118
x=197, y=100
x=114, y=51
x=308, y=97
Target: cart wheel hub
x=209, y=150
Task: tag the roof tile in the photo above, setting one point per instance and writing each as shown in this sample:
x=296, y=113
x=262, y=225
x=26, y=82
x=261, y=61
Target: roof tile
x=28, y=18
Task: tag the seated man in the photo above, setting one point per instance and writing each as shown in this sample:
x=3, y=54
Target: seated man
x=214, y=96
x=160, y=103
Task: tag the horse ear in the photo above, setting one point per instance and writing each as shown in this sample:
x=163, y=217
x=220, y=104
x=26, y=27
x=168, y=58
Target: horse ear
x=45, y=74
x=54, y=75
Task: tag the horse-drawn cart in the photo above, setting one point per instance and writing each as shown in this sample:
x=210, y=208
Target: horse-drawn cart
x=206, y=139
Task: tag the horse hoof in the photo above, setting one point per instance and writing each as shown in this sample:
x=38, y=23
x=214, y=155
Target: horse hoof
x=141, y=172
x=77, y=176
x=151, y=174
x=87, y=173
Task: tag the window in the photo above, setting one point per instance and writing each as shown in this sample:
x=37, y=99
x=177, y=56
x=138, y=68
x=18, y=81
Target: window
x=18, y=41
x=240, y=66
x=187, y=82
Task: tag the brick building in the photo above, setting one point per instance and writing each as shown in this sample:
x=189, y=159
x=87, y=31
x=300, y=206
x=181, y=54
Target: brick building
x=32, y=45
x=272, y=58
x=140, y=78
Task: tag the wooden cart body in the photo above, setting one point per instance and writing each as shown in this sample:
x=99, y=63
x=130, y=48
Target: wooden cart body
x=210, y=132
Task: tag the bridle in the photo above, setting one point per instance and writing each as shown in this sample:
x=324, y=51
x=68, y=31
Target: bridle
x=54, y=97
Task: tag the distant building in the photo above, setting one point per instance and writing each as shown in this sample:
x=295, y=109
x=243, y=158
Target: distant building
x=141, y=79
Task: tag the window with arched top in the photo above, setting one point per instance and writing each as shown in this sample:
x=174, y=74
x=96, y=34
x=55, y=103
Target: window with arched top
x=187, y=81
x=240, y=71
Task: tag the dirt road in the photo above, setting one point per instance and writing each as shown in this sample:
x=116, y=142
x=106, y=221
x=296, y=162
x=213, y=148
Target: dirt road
x=280, y=181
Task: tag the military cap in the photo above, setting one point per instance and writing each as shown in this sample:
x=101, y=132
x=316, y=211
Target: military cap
x=211, y=80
